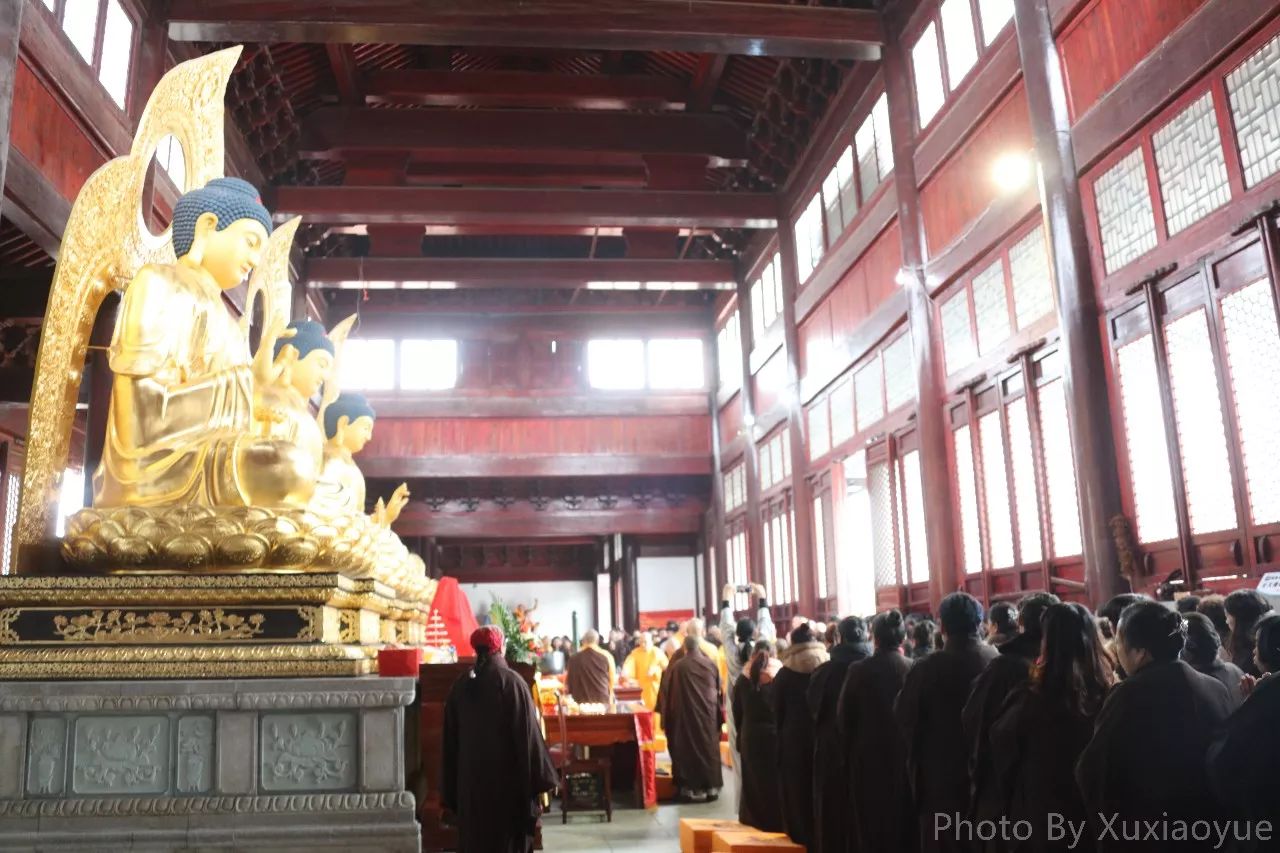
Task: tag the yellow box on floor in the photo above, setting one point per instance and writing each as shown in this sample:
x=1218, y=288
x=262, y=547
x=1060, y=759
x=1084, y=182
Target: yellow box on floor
x=751, y=840
x=695, y=833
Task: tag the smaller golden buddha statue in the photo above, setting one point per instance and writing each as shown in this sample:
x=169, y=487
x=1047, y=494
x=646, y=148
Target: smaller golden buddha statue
x=305, y=356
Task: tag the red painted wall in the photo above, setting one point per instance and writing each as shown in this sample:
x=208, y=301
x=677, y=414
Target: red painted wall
x=963, y=187
x=47, y=135
x=730, y=419
x=1108, y=38
x=409, y=437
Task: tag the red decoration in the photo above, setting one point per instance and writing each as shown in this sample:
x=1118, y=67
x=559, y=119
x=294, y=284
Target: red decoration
x=453, y=610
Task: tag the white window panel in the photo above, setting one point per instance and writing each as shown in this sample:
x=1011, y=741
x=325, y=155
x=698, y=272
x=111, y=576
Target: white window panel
x=848, y=188
x=776, y=283
x=1060, y=471
x=819, y=430
x=1146, y=441
x=959, y=39
x=1126, y=220
x=1254, y=90
x=428, y=365
x=1025, y=503
x=766, y=468
x=70, y=500
x=13, y=486
x=758, y=324
x=884, y=144
x=675, y=364
x=616, y=364
x=926, y=68
x=1202, y=435
x=899, y=373
x=820, y=548
x=808, y=237
x=991, y=308
x=368, y=364
x=1032, y=279
x=841, y=403
x=967, y=487
x=80, y=23
x=995, y=14
x=1253, y=359
x=957, y=333
x=917, y=542
x=868, y=384
x=884, y=553
x=1191, y=165
x=117, y=51
x=995, y=488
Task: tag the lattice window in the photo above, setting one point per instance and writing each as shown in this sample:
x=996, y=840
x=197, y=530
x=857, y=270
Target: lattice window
x=1191, y=165
x=1254, y=91
x=995, y=15
x=1032, y=280
x=1125, y=216
x=819, y=430
x=899, y=373
x=840, y=195
x=1202, y=436
x=917, y=542
x=869, y=387
x=1146, y=440
x=1060, y=470
x=995, y=488
x=820, y=547
x=957, y=333
x=1253, y=363
x=967, y=487
x=841, y=402
x=1022, y=460
x=991, y=307
x=884, y=553
x=926, y=68
x=960, y=39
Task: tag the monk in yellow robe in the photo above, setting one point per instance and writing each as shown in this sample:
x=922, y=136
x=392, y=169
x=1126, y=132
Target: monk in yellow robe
x=645, y=666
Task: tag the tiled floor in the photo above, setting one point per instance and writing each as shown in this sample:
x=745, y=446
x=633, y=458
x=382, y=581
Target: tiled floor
x=633, y=830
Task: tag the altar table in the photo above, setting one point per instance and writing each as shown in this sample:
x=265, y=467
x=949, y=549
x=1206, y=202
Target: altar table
x=629, y=724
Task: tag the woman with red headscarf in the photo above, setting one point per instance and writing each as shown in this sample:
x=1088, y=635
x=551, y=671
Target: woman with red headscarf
x=496, y=764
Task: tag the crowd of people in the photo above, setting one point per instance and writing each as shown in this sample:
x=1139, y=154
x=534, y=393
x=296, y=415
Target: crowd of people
x=1038, y=726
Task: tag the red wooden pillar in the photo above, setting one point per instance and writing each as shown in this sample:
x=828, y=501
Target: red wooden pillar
x=10, y=29
x=714, y=531
x=922, y=319
x=801, y=491
x=1092, y=439
x=750, y=453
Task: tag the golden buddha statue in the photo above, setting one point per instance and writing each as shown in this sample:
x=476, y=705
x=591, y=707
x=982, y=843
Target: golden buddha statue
x=180, y=427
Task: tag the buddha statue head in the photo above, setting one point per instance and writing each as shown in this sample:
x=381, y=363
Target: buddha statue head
x=221, y=228
x=348, y=422
x=314, y=359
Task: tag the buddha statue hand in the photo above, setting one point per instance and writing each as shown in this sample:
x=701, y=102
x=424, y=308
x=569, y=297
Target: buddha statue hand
x=271, y=368
x=385, y=514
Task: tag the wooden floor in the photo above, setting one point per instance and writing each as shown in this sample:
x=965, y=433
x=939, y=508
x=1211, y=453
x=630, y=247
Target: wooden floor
x=634, y=830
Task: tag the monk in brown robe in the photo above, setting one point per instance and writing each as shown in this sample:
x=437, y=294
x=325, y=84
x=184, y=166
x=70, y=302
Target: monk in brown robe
x=592, y=672
x=690, y=702
x=496, y=764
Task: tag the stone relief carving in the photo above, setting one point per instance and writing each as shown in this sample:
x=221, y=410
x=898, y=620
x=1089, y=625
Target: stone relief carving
x=195, y=755
x=121, y=755
x=302, y=752
x=227, y=698
x=47, y=755
x=167, y=806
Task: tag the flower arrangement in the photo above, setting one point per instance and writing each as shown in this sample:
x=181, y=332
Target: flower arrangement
x=522, y=646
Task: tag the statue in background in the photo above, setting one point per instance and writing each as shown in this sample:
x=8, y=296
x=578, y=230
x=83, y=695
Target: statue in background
x=180, y=428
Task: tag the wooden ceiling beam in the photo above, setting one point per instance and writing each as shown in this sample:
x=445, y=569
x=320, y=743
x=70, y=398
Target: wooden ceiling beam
x=706, y=80
x=342, y=59
x=561, y=465
x=331, y=132
x=344, y=205
x=528, y=89
x=526, y=175
x=480, y=273
x=418, y=520
x=695, y=26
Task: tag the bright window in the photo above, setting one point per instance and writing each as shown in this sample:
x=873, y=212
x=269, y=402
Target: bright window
x=13, y=486
x=80, y=23
x=820, y=547
x=616, y=364
x=70, y=497
x=117, y=44
x=173, y=161
x=368, y=364
x=729, y=352
x=960, y=39
x=675, y=364
x=808, y=234
x=995, y=14
x=926, y=66
x=428, y=365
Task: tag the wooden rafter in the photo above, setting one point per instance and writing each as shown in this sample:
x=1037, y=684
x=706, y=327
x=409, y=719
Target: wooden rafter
x=408, y=273
x=524, y=89
x=696, y=26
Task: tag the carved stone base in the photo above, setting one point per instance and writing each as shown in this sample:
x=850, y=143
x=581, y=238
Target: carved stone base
x=199, y=626
x=282, y=764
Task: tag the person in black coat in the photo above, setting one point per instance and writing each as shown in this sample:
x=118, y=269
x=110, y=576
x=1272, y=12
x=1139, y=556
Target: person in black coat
x=1146, y=760
x=1203, y=653
x=1035, y=741
x=929, y=712
x=795, y=731
x=760, y=804
x=831, y=822
x=1244, y=608
x=991, y=690
x=1244, y=757
x=496, y=765
x=1002, y=623
x=883, y=818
